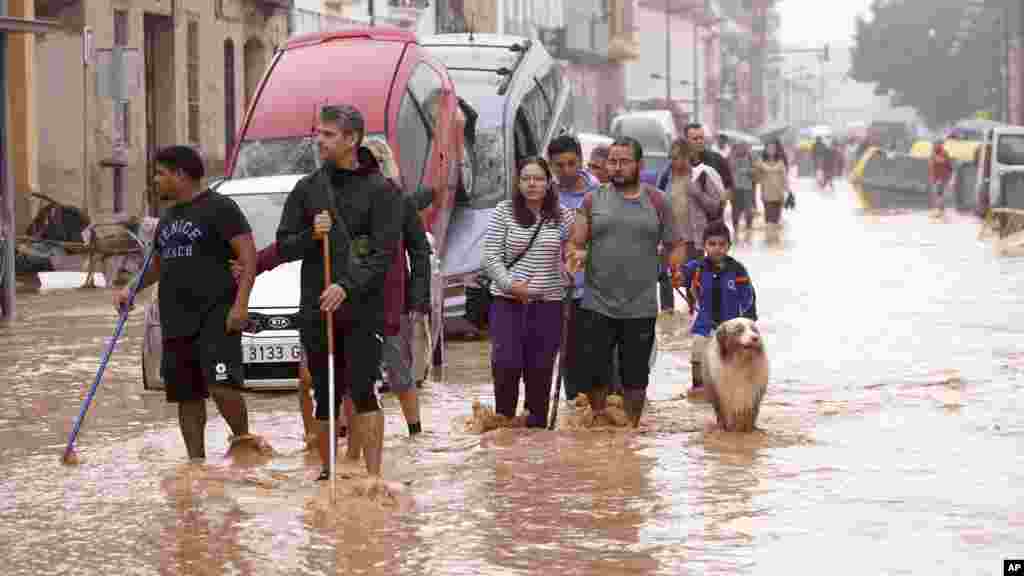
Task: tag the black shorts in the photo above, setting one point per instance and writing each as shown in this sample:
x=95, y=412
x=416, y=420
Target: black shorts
x=598, y=335
x=356, y=367
x=190, y=364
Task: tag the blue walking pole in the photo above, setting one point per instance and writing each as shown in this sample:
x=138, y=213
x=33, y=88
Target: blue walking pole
x=69, y=450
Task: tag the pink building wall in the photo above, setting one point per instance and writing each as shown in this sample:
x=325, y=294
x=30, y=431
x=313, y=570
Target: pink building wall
x=600, y=85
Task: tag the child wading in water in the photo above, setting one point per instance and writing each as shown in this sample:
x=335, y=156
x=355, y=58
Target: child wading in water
x=722, y=290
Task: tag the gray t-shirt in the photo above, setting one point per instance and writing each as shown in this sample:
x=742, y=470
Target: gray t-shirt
x=622, y=260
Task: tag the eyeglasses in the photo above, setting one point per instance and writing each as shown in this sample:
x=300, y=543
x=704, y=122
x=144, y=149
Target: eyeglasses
x=620, y=162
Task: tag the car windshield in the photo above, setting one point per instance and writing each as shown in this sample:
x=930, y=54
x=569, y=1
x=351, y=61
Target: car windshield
x=480, y=90
x=276, y=157
x=279, y=156
x=1011, y=149
x=264, y=214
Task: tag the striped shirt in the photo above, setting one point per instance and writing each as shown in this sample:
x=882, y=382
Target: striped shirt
x=541, y=267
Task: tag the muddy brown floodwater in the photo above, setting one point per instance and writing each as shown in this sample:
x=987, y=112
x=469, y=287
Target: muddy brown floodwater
x=891, y=442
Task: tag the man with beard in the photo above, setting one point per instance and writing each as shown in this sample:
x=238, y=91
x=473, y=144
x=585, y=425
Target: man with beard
x=616, y=238
x=361, y=214
x=202, y=307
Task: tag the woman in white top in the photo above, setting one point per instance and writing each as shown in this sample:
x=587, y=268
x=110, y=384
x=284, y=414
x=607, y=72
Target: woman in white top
x=523, y=255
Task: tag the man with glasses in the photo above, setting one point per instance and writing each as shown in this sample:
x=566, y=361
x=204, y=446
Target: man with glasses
x=616, y=238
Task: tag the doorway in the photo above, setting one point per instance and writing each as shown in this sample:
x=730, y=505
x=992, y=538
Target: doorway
x=255, y=63
x=158, y=52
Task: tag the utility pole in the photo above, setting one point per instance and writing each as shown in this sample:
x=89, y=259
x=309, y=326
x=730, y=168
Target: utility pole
x=696, y=75
x=668, y=56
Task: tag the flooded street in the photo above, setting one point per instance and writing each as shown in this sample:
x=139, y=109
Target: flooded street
x=890, y=444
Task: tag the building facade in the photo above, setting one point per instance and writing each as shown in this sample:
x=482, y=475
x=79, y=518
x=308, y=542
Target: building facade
x=706, y=60
x=191, y=67
x=1014, y=66
x=322, y=15
x=18, y=31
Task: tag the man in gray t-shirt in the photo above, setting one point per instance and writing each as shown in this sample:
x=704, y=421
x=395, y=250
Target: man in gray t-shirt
x=615, y=239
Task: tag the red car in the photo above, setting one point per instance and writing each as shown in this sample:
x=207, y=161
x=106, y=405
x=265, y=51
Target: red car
x=406, y=98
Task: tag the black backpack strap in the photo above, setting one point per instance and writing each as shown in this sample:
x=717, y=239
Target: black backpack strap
x=528, y=245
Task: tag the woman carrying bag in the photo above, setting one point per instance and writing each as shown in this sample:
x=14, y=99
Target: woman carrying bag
x=523, y=257
x=772, y=172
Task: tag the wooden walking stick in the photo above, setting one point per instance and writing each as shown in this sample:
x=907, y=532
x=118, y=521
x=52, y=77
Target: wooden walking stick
x=330, y=364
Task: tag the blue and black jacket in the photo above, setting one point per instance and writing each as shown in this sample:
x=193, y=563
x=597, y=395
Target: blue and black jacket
x=721, y=294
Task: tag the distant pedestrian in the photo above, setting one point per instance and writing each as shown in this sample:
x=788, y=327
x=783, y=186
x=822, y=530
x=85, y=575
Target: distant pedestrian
x=940, y=172
x=772, y=173
x=742, y=200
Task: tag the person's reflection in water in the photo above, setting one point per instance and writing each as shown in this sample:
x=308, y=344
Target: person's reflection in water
x=576, y=504
x=731, y=475
x=359, y=533
x=193, y=542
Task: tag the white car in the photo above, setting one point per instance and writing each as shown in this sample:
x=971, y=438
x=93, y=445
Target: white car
x=272, y=352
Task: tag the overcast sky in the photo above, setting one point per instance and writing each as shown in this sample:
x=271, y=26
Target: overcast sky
x=812, y=23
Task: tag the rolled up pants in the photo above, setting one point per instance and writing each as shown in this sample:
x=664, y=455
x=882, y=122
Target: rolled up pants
x=524, y=341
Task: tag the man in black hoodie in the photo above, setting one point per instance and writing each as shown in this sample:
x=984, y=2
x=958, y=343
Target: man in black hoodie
x=361, y=214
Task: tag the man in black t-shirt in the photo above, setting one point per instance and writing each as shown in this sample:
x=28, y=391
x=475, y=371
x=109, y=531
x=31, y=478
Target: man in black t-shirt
x=202, y=306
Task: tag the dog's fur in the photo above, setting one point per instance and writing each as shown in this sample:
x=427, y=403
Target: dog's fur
x=735, y=371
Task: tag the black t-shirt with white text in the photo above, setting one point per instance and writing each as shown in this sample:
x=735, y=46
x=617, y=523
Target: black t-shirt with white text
x=193, y=240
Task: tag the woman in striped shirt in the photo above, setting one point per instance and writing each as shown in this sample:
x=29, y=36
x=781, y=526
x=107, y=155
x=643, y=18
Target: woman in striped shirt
x=529, y=283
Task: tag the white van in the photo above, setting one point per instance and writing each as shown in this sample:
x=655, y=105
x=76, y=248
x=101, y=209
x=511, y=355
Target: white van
x=654, y=129
x=1006, y=167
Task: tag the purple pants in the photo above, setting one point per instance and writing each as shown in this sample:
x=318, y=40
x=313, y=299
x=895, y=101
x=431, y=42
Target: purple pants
x=524, y=341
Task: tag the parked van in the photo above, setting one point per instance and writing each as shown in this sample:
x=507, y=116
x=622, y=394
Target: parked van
x=406, y=98
x=655, y=130
x=1002, y=156
x=515, y=96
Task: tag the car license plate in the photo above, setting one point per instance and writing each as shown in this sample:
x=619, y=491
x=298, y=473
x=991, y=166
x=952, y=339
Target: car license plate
x=261, y=353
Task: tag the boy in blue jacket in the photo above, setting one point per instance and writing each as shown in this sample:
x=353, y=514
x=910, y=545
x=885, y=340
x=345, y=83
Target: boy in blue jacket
x=722, y=290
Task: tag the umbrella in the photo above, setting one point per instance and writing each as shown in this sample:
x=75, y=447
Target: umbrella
x=772, y=129
x=737, y=136
x=822, y=130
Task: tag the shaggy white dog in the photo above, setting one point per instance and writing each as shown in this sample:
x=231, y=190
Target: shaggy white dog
x=736, y=374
